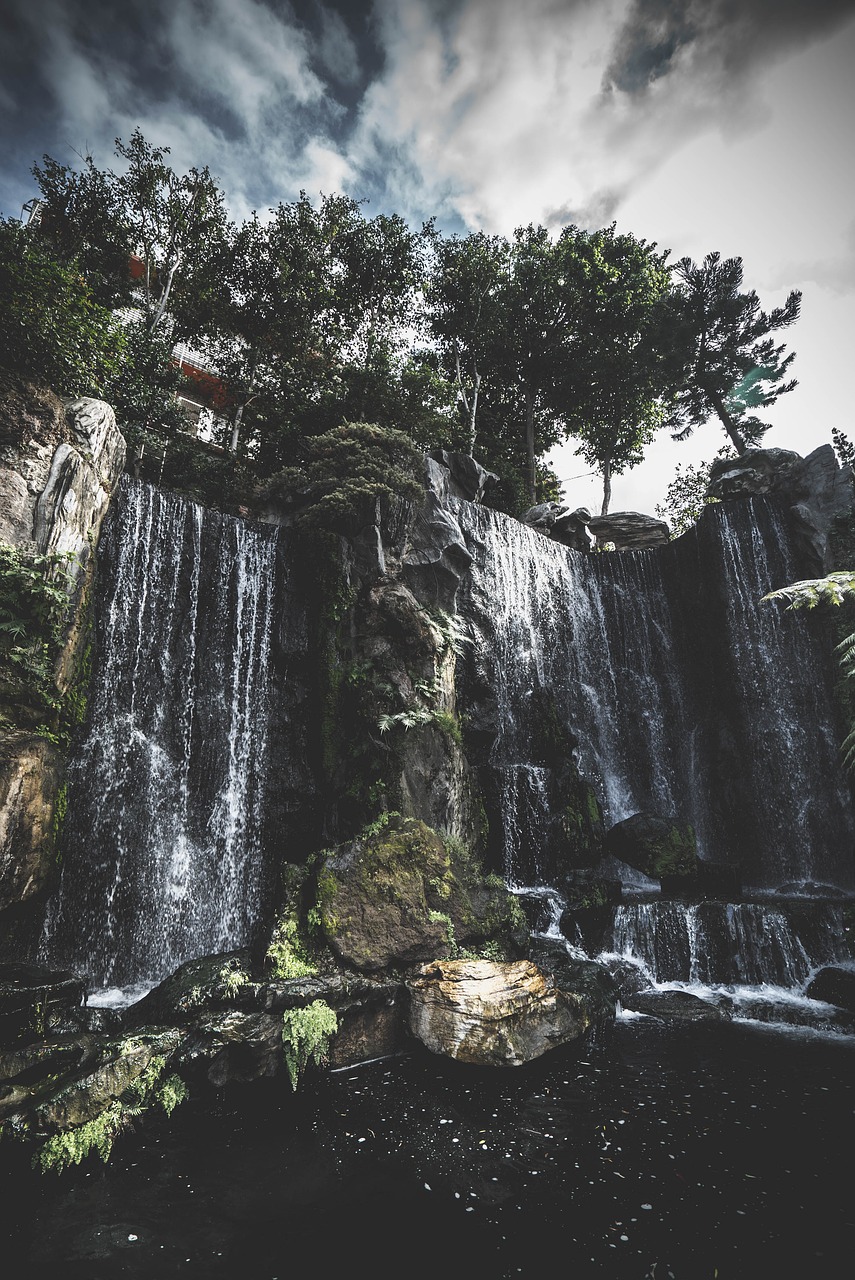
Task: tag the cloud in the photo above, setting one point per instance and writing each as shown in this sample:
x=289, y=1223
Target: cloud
x=234, y=84
x=336, y=48
x=721, y=38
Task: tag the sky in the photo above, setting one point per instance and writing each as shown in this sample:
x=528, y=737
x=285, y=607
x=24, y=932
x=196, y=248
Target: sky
x=707, y=125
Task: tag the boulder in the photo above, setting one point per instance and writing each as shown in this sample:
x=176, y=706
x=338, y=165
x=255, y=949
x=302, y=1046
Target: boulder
x=492, y=1014
x=544, y=515
x=629, y=531
x=401, y=895
x=205, y=982
x=463, y=477
x=679, y=1005
x=572, y=530
x=834, y=984
x=658, y=847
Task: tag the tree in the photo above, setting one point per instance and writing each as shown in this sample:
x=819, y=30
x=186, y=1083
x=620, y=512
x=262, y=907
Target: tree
x=462, y=299
x=615, y=388
x=173, y=221
x=52, y=331
x=731, y=364
x=81, y=222
x=346, y=472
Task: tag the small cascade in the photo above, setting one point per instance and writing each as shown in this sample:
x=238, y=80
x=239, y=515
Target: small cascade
x=162, y=845
x=727, y=944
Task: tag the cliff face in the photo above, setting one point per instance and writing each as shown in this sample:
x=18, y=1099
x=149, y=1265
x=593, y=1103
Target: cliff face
x=59, y=465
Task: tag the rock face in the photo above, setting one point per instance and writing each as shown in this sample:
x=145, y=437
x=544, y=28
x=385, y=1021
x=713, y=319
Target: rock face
x=31, y=771
x=59, y=466
x=491, y=1014
x=818, y=488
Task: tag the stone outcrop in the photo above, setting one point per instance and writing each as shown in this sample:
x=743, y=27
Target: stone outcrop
x=623, y=530
x=402, y=895
x=629, y=531
x=59, y=466
x=491, y=1014
x=31, y=773
x=817, y=488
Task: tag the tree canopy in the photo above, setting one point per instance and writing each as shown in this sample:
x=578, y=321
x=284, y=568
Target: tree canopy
x=313, y=315
x=732, y=365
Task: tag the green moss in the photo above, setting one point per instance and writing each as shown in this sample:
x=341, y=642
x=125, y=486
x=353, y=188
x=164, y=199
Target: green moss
x=675, y=854
x=306, y=1034
x=60, y=810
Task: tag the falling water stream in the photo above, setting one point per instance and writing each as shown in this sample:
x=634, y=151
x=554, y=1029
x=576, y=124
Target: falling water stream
x=162, y=849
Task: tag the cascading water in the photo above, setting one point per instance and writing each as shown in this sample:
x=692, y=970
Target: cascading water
x=684, y=694
x=679, y=693
x=162, y=848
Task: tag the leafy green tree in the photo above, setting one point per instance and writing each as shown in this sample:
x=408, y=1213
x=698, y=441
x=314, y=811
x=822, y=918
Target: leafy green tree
x=173, y=221
x=82, y=223
x=52, y=331
x=346, y=472
x=732, y=365
x=462, y=299
x=616, y=387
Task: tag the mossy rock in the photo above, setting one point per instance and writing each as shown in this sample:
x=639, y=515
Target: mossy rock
x=656, y=846
x=402, y=894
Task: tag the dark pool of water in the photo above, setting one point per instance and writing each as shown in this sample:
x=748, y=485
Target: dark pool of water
x=692, y=1152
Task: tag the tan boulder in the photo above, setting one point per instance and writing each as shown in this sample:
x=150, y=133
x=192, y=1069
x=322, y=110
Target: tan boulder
x=492, y=1013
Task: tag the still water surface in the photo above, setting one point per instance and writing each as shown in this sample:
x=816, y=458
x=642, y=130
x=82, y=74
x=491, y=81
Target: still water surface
x=698, y=1152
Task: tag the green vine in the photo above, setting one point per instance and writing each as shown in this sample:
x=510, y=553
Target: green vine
x=306, y=1034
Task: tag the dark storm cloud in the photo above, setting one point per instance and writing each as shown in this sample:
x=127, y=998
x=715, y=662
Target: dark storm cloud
x=259, y=90
x=733, y=34
x=597, y=210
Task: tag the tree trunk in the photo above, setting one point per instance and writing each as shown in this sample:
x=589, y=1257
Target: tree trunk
x=607, y=486
x=727, y=422
x=236, y=429
x=529, y=444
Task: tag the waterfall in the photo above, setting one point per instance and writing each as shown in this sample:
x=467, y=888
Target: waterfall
x=162, y=849
x=676, y=689
x=726, y=944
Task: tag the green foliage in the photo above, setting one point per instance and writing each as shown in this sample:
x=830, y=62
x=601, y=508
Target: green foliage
x=286, y=955
x=34, y=602
x=347, y=471
x=685, y=497
x=233, y=979
x=809, y=593
x=71, y=1146
x=731, y=365
x=52, y=331
x=306, y=1035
